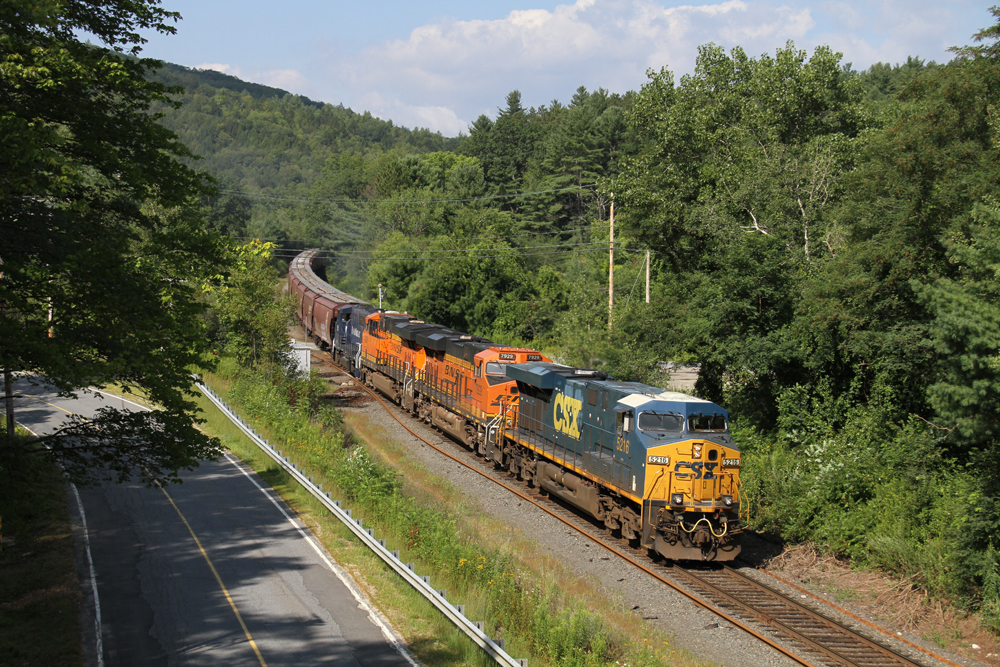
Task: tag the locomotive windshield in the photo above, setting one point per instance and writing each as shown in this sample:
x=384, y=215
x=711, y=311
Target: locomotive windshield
x=495, y=373
x=652, y=421
x=711, y=423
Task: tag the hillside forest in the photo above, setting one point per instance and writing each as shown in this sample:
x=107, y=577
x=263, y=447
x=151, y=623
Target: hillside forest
x=823, y=241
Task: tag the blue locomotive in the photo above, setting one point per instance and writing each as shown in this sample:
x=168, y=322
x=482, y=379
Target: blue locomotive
x=659, y=466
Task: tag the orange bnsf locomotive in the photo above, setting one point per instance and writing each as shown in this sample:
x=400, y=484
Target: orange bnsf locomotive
x=659, y=467
x=449, y=379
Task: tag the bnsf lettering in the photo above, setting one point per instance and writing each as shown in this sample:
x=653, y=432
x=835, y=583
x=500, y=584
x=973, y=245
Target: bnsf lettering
x=565, y=410
x=698, y=470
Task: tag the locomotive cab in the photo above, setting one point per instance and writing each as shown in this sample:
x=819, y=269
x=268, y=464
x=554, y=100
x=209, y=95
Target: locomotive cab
x=658, y=466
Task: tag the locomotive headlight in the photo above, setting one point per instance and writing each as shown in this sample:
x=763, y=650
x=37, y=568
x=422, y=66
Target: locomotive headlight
x=696, y=451
x=727, y=501
x=677, y=499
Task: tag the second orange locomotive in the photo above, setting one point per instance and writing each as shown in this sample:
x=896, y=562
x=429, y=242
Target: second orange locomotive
x=447, y=378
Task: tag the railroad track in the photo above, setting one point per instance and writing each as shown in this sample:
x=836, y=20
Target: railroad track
x=826, y=641
x=800, y=632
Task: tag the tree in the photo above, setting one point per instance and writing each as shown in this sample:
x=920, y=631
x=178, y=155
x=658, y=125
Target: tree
x=504, y=147
x=741, y=164
x=103, y=253
x=966, y=334
x=254, y=320
x=911, y=203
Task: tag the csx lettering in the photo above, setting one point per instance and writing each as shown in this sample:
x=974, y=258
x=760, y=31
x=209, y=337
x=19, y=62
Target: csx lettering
x=698, y=470
x=564, y=415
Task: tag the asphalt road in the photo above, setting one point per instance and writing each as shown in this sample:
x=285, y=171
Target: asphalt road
x=214, y=571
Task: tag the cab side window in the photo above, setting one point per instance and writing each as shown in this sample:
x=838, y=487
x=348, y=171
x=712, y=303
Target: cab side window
x=624, y=421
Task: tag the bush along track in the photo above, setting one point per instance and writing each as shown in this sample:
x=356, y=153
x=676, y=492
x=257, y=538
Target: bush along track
x=518, y=597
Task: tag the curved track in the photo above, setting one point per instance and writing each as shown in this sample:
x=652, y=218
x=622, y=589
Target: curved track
x=801, y=633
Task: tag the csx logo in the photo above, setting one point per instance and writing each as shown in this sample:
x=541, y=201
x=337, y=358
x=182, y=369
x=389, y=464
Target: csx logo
x=564, y=415
x=698, y=470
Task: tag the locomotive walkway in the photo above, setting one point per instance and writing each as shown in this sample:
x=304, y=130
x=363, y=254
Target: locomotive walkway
x=803, y=634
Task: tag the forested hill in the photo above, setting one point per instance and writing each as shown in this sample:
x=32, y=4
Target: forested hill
x=266, y=140
x=268, y=150
x=824, y=242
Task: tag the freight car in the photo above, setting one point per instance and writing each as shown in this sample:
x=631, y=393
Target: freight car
x=658, y=466
x=317, y=302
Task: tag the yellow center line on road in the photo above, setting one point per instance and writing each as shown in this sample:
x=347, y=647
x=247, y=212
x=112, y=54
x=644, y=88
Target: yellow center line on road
x=211, y=566
x=35, y=398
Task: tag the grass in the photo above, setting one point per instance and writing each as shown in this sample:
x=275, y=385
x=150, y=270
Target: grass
x=39, y=591
x=432, y=639
x=544, y=612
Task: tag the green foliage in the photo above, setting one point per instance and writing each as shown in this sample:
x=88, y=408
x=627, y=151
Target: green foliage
x=99, y=208
x=40, y=614
x=883, y=82
x=541, y=616
x=991, y=590
x=254, y=322
x=966, y=333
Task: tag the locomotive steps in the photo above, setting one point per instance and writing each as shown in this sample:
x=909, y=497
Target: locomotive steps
x=809, y=656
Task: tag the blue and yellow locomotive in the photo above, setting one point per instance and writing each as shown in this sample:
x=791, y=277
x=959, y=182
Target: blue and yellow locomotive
x=659, y=466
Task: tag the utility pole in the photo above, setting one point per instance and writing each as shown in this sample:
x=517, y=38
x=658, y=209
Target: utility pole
x=611, y=265
x=8, y=379
x=647, y=276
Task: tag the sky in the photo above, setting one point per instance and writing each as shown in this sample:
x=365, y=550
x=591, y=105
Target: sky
x=441, y=65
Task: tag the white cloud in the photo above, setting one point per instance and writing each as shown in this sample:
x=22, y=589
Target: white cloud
x=438, y=118
x=286, y=79
x=220, y=67
x=466, y=68
x=446, y=73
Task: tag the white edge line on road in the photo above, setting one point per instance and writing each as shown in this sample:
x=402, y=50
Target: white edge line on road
x=107, y=396
x=98, y=631
x=359, y=596
x=373, y=613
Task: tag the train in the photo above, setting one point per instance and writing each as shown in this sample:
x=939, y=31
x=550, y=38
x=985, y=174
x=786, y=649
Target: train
x=657, y=467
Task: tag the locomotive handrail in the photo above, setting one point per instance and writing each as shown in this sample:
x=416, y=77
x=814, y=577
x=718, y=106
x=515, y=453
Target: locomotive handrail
x=454, y=613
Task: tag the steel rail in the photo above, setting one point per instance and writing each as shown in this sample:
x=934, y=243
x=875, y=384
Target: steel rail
x=454, y=613
x=736, y=622
x=759, y=615
x=858, y=619
x=798, y=633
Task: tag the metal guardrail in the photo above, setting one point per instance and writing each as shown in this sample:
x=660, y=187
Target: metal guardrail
x=454, y=613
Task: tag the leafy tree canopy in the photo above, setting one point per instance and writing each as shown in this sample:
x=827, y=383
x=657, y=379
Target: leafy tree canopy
x=103, y=255
x=254, y=320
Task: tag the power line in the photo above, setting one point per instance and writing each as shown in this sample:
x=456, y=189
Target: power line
x=598, y=225
x=405, y=201
x=333, y=253
x=453, y=251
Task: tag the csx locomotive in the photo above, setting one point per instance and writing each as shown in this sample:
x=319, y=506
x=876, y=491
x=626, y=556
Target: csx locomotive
x=659, y=467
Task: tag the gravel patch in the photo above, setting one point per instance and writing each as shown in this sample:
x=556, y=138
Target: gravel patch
x=697, y=630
